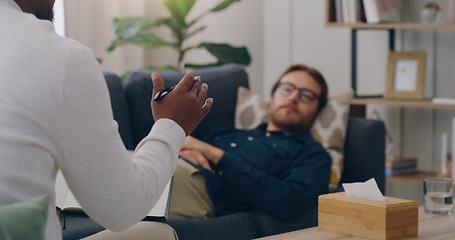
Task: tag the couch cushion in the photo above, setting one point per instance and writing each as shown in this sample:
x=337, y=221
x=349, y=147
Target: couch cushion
x=329, y=127
x=267, y=225
x=223, y=82
x=237, y=226
x=3, y=234
x=77, y=225
x=120, y=108
x=25, y=220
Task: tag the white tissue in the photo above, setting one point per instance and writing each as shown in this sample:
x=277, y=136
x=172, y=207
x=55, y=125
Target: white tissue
x=367, y=190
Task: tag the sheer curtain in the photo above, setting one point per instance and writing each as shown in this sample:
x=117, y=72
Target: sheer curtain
x=90, y=22
x=59, y=19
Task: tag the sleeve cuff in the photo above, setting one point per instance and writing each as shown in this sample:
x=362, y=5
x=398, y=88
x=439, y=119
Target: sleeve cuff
x=167, y=129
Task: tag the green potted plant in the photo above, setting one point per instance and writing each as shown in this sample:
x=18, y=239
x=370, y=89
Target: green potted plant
x=136, y=30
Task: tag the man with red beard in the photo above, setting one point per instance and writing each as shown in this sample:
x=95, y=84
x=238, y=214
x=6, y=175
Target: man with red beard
x=276, y=168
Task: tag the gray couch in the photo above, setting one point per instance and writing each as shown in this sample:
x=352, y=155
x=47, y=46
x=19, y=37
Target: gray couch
x=364, y=152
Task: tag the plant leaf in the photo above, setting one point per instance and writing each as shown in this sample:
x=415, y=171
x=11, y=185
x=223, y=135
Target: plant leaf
x=217, y=8
x=179, y=9
x=127, y=27
x=173, y=24
x=200, y=29
x=196, y=65
x=223, y=5
x=160, y=68
x=228, y=54
x=149, y=41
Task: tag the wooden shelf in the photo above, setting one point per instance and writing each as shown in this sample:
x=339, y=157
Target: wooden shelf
x=401, y=103
x=415, y=179
x=396, y=25
x=330, y=22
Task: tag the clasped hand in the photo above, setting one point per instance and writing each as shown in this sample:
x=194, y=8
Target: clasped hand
x=200, y=153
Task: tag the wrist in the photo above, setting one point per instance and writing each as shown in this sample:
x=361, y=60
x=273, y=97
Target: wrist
x=213, y=154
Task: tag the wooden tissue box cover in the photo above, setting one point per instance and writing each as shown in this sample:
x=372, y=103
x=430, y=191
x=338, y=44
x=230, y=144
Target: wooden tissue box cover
x=393, y=219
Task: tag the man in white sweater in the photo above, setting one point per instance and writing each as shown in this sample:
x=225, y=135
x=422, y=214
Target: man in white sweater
x=55, y=113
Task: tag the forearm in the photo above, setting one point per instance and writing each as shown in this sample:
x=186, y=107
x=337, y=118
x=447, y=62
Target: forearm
x=284, y=198
x=112, y=189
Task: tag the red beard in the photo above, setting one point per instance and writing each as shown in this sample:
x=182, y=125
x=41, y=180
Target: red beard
x=288, y=118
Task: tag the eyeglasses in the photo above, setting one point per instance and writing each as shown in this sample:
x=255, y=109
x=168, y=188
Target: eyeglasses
x=305, y=94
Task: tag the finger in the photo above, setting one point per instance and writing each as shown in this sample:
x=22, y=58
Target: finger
x=196, y=85
x=203, y=162
x=186, y=82
x=158, y=83
x=207, y=106
x=202, y=94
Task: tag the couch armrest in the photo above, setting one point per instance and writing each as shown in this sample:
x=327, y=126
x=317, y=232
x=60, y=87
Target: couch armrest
x=364, y=152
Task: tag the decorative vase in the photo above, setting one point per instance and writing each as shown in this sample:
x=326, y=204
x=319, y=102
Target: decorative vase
x=450, y=11
x=431, y=13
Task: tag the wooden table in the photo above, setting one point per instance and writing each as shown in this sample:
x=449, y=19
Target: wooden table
x=431, y=226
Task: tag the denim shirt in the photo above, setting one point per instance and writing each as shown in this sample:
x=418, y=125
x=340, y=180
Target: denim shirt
x=273, y=172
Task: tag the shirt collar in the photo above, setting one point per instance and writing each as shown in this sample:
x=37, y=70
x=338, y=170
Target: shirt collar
x=301, y=136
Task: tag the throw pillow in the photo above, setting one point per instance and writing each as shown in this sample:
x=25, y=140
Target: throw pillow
x=25, y=220
x=250, y=110
x=3, y=234
x=329, y=127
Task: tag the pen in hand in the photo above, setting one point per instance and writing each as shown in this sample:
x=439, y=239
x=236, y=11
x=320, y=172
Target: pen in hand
x=161, y=94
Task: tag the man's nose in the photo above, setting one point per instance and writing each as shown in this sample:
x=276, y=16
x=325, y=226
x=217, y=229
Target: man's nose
x=294, y=95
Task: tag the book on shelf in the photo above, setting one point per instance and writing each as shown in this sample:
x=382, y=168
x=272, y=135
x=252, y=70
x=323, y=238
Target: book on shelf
x=360, y=11
x=349, y=10
x=400, y=166
x=339, y=11
x=67, y=203
x=377, y=11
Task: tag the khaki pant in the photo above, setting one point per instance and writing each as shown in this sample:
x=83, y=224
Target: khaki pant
x=140, y=231
x=190, y=198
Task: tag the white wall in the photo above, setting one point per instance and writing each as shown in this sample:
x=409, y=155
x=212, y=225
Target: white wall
x=90, y=22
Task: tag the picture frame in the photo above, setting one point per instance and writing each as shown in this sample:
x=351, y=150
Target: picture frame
x=405, y=75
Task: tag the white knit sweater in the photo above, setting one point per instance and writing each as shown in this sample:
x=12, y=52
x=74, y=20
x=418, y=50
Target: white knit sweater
x=55, y=114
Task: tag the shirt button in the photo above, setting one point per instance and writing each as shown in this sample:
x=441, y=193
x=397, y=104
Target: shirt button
x=220, y=173
x=267, y=134
x=217, y=138
x=250, y=138
x=233, y=144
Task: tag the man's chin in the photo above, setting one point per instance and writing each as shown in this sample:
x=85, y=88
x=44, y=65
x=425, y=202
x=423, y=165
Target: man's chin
x=288, y=125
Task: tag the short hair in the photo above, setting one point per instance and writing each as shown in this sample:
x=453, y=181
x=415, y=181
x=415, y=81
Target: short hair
x=315, y=74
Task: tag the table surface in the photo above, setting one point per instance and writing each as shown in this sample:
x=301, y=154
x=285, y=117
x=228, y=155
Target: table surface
x=431, y=226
